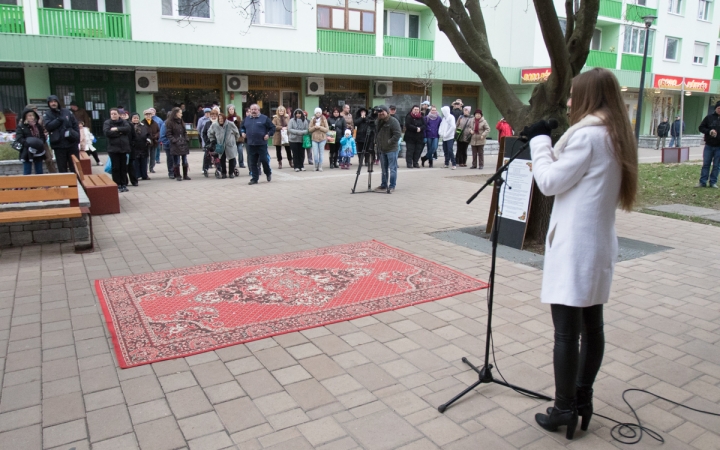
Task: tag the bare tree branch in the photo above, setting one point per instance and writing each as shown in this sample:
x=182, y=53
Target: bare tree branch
x=570, y=19
x=579, y=43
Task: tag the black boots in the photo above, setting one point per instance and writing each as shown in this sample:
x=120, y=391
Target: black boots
x=585, y=406
x=176, y=172
x=558, y=417
x=185, y=172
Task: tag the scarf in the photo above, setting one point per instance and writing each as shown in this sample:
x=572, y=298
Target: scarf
x=477, y=126
x=432, y=115
x=416, y=116
x=34, y=130
x=587, y=121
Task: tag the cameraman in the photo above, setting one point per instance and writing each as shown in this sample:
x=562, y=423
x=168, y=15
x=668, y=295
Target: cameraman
x=388, y=136
x=365, y=138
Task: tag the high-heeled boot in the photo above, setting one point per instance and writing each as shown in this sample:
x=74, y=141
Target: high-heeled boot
x=185, y=172
x=584, y=406
x=557, y=418
x=176, y=172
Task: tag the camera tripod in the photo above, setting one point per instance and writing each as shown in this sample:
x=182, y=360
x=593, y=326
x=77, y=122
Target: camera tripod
x=362, y=155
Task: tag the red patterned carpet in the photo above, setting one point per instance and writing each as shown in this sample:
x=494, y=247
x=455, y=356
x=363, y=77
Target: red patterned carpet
x=178, y=313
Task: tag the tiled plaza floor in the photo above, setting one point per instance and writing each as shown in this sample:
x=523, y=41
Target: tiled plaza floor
x=372, y=383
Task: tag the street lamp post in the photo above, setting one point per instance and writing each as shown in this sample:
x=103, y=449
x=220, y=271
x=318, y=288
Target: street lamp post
x=648, y=22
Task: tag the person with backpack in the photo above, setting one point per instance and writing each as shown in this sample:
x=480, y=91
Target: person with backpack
x=662, y=132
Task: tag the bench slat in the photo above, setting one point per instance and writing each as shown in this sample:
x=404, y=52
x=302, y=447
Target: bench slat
x=35, y=181
x=40, y=214
x=38, y=195
x=84, y=155
x=102, y=180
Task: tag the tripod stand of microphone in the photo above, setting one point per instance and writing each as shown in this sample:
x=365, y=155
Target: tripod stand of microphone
x=366, y=154
x=485, y=372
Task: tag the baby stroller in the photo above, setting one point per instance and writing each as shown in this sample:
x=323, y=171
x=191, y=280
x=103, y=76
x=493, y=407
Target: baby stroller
x=211, y=158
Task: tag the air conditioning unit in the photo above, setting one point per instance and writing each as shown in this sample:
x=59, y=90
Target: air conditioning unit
x=146, y=81
x=315, y=86
x=237, y=83
x=383, y=89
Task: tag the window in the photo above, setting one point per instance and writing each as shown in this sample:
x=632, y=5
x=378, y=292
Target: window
x=704, y=10
x=672, y=48
x=699, y=53
x=186, y=8
x=634, y=40
x=596, y=39
x=84, y=5
x=114, y=6
x=717, y=54
x=53, y=4
x=335, y=19
x=675, y=6
x=401, y=24
x=273, y=12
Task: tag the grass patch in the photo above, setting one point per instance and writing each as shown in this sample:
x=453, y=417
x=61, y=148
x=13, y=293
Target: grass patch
x=7, y=153
x=666, y=184
x=670, y=215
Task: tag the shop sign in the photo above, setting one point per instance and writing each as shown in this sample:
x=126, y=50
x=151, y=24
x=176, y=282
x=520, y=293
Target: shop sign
x=528, y=76
x=691, y=84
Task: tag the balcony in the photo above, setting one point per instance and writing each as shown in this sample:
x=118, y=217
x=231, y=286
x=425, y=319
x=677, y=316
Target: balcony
x=12, y=19
x=611, y=8
x=597, y=58
x=89, y=24
x=635, y=13
x=332, y=41
x=716, y=73
x=634, y=62
x=407, y=47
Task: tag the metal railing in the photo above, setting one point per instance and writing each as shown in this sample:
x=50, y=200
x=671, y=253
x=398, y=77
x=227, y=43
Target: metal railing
x=12, y=19
x=408, y=47
x=634, y=62
x=74, y=23
x=611, y=8
x=635, y=13
x=597, y=58
x=332, y=41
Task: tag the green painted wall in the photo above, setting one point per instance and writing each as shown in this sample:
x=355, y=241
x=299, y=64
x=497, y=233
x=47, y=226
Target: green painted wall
x=490, y=112
x=143, y=101
x=37, y=82
x=428, y=25
x=311, y=102
x=610, y=38
x=696, y=108
x=436, y=94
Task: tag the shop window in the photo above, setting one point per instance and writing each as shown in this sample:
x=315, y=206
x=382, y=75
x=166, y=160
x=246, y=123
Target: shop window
x=357, y=19
x=699, y=53
x=273, y=12
x=84, y=5
x=400, y=24
x=634, y=41
x=672, y=48
x=704, y=8
x=675, y=6
x=186, y=8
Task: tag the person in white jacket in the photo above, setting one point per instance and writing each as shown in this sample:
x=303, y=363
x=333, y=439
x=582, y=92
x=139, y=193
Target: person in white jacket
x=591, y=171
x=447, y=135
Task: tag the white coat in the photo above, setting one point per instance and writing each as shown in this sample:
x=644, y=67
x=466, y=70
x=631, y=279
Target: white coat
x=581, y=246
x=446, y=132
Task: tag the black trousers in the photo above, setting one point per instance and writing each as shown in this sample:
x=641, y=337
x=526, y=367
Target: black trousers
x=118, y=161
x=413, y=150
x=298, y=154
x=288, y=153
x=334, y=151
x=461, y=156
x=258, y=155
x=576, y=366
x=223, y=167
x=130, y=169
x=63, y=159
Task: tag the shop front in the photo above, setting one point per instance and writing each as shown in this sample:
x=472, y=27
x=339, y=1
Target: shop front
x=269, y=92
x=674, y=96
x=12, y=95
x=194, y=89
x=96, y=91
x=341, y=92
x=406, y=94
x=469, y=94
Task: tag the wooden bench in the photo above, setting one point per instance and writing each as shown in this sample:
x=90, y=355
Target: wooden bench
x=85, y=163
x=101, y=190
x=34, y=189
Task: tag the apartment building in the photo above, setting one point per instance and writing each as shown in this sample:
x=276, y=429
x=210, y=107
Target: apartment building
x=309, y=53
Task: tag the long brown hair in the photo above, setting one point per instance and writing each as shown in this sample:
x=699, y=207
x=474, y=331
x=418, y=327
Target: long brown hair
x=597, y=92
x=173, y=114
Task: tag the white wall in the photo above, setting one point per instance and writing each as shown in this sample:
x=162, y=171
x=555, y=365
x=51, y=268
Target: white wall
x=226, y=27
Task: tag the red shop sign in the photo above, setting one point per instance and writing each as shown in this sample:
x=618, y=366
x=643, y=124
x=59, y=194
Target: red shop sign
x=528, y=76
x=672, y=82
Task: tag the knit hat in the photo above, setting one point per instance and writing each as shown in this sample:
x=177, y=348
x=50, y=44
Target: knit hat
x=717, y=105
x=425, y=103
x=207, y=110
x=478, y=111
x=148, y=111
x=318, y=110
x=384, y=108
x=348, y=133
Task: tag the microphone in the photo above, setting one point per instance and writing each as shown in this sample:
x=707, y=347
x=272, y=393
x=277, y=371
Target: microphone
x=550, y=124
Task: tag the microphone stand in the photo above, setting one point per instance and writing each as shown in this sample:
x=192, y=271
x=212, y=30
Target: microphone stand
x=485, y=372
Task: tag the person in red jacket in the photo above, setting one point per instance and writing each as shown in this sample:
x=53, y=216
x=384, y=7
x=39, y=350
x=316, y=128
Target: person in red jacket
x=504, y=128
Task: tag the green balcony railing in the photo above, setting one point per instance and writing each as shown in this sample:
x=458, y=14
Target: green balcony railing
x=716, y=73
x=74, y=23
x=597, y=58
x=12, y=19
x=634, y=62
x=407, y=47
x=635, y=13
x=611, y=8
x=332, y=41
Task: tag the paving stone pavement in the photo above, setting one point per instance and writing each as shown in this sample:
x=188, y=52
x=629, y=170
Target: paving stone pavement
x=371, y=383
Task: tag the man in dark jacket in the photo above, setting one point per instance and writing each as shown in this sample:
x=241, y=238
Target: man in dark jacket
x=64, y=133
x=81, y=115
x=256, y=130
x=117, y=131
x=457, y=109
x=388, y=136
x=710, y=127
x=662, y=132
x=675, y=132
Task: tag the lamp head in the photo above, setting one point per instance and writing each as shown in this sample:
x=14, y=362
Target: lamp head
x=649, y=20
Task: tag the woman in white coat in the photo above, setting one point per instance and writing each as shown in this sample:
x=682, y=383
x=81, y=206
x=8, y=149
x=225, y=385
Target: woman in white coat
x=447, y=135
x=591, y=171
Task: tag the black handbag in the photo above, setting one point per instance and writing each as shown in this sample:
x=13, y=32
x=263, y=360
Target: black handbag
x=17, y=145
